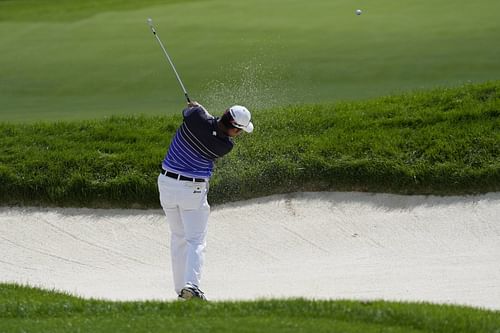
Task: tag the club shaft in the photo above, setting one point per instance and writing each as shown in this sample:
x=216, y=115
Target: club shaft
x=153, y=30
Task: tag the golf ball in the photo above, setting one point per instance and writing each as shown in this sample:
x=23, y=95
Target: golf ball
x=358, y=11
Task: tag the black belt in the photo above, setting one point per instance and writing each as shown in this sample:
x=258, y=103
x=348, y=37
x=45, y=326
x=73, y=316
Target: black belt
x=181, y=177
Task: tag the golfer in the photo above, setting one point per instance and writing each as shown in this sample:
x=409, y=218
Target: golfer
x=183, y=185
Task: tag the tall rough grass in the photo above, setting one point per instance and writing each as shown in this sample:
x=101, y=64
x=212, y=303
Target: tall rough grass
x=24, y=309
x=445, y=141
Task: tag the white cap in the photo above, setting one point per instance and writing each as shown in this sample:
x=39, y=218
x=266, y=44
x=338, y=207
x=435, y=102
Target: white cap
x=241, y=117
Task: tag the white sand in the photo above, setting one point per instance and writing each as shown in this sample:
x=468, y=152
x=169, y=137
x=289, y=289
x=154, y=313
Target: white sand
x=313, y=245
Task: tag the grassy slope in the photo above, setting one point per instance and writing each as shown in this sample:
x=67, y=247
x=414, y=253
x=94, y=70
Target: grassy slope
x=34, y=310
x=86, y=59
x=438, y=142
x=69, y=11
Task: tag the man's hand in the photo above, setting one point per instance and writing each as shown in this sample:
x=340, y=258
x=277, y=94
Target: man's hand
x=193, y=104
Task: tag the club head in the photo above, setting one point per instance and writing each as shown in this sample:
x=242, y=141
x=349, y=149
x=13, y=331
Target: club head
x=150, y=23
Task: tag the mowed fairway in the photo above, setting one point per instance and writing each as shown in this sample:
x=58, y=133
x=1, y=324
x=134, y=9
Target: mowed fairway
x=60, y=62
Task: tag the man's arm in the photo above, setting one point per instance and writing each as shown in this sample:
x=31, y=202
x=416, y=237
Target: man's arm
x=194, y=104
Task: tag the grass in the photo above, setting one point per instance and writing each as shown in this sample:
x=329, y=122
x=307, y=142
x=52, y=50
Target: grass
x=74, y=60
x=444, y=141
x=69, y=11
x=34, y=310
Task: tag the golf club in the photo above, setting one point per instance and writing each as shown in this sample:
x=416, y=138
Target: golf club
x=153, y=30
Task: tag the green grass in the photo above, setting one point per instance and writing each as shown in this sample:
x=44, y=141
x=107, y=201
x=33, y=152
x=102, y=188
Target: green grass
x=65, y=60
x=444, y=141
x=34, y=310
x=68, y=11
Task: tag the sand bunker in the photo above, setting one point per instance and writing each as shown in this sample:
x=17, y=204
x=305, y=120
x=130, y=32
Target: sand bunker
x=313, y=245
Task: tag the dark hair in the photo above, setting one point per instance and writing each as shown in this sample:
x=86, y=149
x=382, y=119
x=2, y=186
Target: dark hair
x=227, y=120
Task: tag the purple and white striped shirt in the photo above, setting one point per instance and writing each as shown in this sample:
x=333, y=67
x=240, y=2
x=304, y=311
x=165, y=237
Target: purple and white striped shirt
x=196, y=145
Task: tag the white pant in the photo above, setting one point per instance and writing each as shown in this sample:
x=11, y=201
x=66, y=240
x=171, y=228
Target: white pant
x=187, y=209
